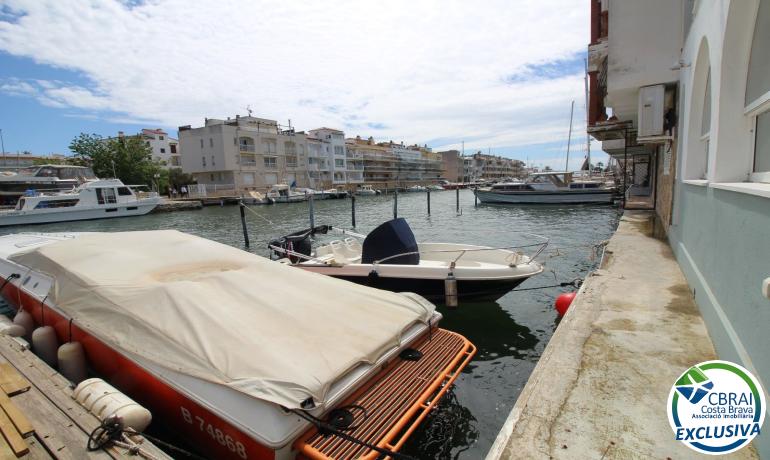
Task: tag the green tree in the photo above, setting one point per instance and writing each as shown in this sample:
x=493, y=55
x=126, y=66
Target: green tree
x=126, y=158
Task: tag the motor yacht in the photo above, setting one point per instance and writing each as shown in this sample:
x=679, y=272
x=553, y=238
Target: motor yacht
x=416, y=188
x=225, y=350
x=547, y=188
x=44, y=178
x=389, y=257
x=282, y=193
x=98, y=199
x=367, y=189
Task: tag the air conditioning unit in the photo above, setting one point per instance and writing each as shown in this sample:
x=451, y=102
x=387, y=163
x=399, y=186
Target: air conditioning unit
x=651, y=102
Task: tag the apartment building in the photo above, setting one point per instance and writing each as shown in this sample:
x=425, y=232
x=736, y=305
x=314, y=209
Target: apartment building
x=164, y=148
x=451, y=165
x=244, y=153
x=687, y=82
x=329, y=161
x=390, y=165
x=491, y=167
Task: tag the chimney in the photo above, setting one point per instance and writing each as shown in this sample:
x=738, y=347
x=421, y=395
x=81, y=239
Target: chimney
x=121, y=134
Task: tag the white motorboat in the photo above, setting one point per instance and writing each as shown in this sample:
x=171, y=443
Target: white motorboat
x=98, y=199
x=435, y=188
x=238, y=355
x=334, y=193
x=254, y=197
x=282, y=193
x=416, y=188
x=390, y=258
x=547, y=188
x=367, y=189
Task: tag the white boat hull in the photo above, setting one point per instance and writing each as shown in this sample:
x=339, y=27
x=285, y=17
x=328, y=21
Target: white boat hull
x=51, y=215
x=546, y=197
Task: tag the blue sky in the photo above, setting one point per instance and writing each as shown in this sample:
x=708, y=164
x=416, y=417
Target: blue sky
x=432, y=72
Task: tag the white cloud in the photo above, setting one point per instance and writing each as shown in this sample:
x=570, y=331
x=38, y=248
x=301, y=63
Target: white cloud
x=423, y=70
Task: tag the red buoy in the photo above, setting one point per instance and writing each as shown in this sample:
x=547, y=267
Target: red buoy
x=563, y=302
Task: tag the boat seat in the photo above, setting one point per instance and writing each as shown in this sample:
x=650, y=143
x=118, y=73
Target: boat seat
x=340, y=252
x=353, y=249
x=324, y=250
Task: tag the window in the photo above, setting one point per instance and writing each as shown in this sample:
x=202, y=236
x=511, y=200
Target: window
x=705, y=128
x=758, y=93
x=173, y=148
x=211, y=142
x=162, y=150
x=202, y=147
x=268, y=146
x=290, y=148
x=105, y=195
x=291, y=161
x=339, y=150
x=213, y=163
x=124, y=191
x=160, y=137
x=271, y=162
x=212, y=178
x=203, y=160
x=339, y=163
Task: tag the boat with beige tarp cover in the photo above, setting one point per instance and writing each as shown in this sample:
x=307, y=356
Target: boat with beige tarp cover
x=242, y=357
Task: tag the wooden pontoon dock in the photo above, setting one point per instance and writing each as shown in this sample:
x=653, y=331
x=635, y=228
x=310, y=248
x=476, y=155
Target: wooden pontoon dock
x=39, y=418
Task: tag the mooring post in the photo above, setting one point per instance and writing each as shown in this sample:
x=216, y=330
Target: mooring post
x=428, y=201
x=395, y=203
x=353, y=210
x=475, y=199
x=457, y=199
x=243, y=222
x=311, y=210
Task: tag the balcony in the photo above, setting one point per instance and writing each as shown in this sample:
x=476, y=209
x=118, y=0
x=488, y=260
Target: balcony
x=247, y=148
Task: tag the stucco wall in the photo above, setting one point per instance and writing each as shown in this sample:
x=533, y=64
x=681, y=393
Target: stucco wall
x=722, y=244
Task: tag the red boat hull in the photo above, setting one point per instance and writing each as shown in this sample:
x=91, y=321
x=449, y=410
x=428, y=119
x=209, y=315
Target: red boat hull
x=209, y=434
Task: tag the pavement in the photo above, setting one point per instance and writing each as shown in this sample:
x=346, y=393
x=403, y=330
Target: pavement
x=600, y=388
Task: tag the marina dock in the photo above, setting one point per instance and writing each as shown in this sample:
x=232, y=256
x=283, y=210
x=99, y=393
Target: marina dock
x=40, y=419
x=599, y=389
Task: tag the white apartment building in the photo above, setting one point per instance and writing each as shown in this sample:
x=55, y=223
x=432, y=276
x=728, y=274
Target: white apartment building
x=244, y=153
x=164, y=148
x=329, y=161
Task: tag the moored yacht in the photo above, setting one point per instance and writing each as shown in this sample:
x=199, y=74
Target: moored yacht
x=547, y=188
x=389, y=257
x=44, y=178
x=367, y=189
x=99, y=199
x=225, y=351
x=282, y=193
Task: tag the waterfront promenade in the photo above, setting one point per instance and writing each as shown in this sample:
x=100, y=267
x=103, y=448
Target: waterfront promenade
x=601, y=385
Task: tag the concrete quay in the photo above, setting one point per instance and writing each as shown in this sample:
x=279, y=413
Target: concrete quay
x=601, y=385
x=177, y=205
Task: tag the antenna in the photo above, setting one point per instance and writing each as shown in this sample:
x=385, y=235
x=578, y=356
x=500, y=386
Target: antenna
x=248, y=109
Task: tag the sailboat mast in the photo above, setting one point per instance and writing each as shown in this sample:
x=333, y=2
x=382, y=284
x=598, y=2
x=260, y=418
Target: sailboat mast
x=569, y=137
x=588, y=137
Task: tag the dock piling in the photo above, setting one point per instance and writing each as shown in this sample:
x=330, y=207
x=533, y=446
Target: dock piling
x=353, y=210
x=428, y=201
x=395, y=203
x=457, y=199
x=311, y=210
x=243, y=222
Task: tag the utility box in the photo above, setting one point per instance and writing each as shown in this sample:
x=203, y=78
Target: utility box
x=651, y=105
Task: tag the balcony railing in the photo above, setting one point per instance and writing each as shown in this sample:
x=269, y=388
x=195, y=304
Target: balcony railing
x=250, y=148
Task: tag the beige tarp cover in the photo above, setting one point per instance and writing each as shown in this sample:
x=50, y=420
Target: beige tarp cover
x=215, y=312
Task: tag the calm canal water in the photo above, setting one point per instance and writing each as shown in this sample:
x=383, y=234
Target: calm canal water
x=510, y=334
